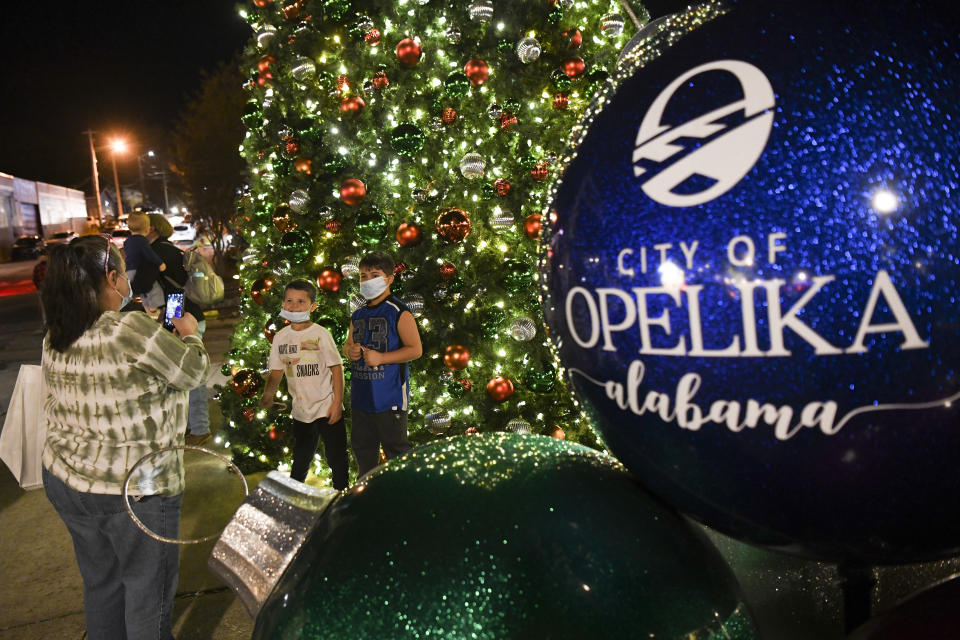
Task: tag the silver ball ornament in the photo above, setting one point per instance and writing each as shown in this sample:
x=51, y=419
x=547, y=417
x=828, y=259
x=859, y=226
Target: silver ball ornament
x=520, y=426
x=265, y=35
x=481, y=11
x=299, y=200
x=302, y=69
x=502, y=221
x=472, y=166
x=438, y=421
x=611, y=25
x=414, y=302
x=522, y=328
x=350, y=267
x=528, y=50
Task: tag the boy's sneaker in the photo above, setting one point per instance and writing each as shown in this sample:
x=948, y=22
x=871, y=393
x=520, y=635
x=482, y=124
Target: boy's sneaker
x=198, y=439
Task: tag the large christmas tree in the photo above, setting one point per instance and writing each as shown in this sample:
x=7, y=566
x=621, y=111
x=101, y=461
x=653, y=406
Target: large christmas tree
x=428, y=129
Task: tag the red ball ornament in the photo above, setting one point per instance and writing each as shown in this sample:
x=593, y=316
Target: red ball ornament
x=573, y=37
x=333, y=226
x=467, y=385
x=499, y=388
x=557, y=432
x=471, y=431
x=292, y=11
x=263, y=3
x=453, y=224
x=272, y=433
x=352, y=192
x=351, y=107
x=477, y=70
x=408, y=52
x=263, y=64
x=448, y=116
x=303, y=165
x=372, y=37
x=540, y=171
x=380, y=80
x=501, y=187
x=264, y=79
x=574, y=67
x=329, y=280
x=291, y=146
x=409, y=234
x=560, y=101
x=259, y=288
x=246, y=383
x=248, y=413
x=447, y=270
x=507, y=120
x=456, y=356
x=532, y=225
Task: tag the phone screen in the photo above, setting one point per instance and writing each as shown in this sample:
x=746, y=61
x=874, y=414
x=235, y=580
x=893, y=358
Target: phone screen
x=174, y=308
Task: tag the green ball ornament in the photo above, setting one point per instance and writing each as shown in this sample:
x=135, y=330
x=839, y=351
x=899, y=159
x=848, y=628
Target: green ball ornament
x=540, y=380
x=516, y=275
x=296, y=246
x=487, y=191
x=457, y=84
x=335, y=165
x=371, y=227
x=455, y=389
x=511, y=105
x=500, y=535
x=226, y=369
x=336, y=328
x=490, y=321
x=407, y=139
x=561, y=81
x=505, y=45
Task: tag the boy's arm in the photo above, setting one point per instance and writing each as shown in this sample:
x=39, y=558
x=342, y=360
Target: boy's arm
x=336, y=409
x=270, y=389
x=409, y=338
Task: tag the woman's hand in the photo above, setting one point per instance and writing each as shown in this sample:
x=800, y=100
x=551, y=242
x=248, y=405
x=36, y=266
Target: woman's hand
x=184, y=326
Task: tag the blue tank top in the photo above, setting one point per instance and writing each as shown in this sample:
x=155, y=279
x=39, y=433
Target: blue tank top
x=384, y=387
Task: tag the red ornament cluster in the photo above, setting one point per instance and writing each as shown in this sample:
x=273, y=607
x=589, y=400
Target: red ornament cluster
x=372, y=37
x=507, y=120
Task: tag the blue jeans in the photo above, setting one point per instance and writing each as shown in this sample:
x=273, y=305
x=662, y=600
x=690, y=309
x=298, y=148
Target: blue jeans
x=198, y=409
x=129, y=579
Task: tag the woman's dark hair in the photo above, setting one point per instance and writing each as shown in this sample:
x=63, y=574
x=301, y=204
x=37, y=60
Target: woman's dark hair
x=302, y=285
x=378, y=260
x=71, y=288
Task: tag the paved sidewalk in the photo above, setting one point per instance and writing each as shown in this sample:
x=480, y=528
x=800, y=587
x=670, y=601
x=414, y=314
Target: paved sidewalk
x=41, y=590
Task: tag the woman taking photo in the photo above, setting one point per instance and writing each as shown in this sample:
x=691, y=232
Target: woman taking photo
x=116, y=390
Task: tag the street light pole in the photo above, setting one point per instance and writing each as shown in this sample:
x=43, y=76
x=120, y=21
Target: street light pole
x=96, y=178
x=116, y=182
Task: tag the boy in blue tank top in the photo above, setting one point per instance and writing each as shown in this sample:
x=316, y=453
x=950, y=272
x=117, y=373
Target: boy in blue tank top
x=382, y=340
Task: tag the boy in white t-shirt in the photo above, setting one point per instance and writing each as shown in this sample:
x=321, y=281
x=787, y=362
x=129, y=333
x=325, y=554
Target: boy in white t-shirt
x=306, y=354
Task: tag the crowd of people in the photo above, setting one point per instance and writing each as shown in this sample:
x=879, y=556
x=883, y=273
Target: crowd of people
x=121, y=384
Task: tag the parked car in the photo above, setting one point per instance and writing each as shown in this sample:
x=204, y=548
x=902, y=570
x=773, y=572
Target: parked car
x=61, y=237
x=183, y=235
x=119, y=236
x=27, y=248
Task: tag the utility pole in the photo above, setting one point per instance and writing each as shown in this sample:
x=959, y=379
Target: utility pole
x=166, y=198
x=96, y=178
x=116, y=182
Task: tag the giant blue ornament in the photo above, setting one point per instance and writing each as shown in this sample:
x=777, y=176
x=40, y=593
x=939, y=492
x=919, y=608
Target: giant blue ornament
x=753, y=267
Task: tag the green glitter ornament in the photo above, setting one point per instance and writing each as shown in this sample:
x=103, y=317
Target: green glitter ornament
x=516, y=275
x=407, y=139
x=497, y=536
x=371, y=227
x=540, y=380
x=560, y=80
x=296, y=246
x=336, y=328
x=457, y=84
x=490, y=321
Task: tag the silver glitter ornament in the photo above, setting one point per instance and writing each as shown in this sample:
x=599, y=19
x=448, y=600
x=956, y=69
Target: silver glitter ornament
x=501, y=221
x=482, y=11
x=611, y=25
x=528, y=50
x=302, y=69
x=453, y=35
x=357, y=302
x=494, y=111
x=522, y=328
x=414, y=302
x=265, y=35
x=350, y=267
x=325, y=213
x=551, y=158
x=299, y=200
x=438, y=422
x=566, y=4
x=420, y=195
x=519, y=426
x=436, y=124
x=472, y=166
x=364, y=24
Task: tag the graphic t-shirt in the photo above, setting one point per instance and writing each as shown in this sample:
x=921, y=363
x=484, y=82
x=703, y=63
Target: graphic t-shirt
x=384, y=387
x=305, y=358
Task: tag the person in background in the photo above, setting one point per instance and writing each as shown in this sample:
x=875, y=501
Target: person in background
x=172, y=281
x=137, y=253
x=383, y=338
x=117, y=387
x=306, y=353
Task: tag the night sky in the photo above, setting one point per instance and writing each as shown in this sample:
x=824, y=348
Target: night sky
x=119, y=67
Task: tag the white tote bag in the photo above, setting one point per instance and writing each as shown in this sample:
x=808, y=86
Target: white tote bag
x=25, y=429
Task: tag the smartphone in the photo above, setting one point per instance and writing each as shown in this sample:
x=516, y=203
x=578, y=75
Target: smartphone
x=174, y=308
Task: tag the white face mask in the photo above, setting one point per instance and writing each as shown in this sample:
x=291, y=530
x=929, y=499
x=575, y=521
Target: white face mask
x=125, y=299
x=373, y=287
x=295, y=316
